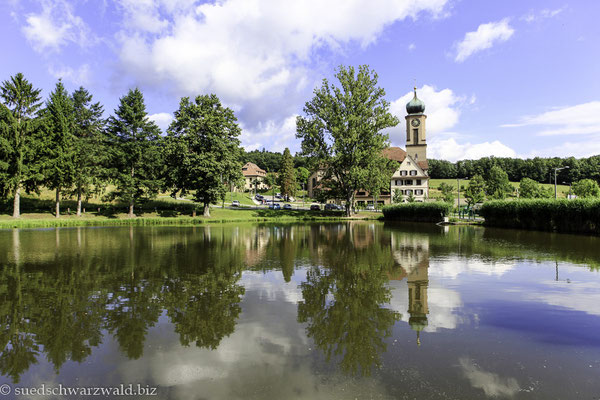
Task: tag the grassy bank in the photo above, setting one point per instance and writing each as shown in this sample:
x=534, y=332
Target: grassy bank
x=218, y=215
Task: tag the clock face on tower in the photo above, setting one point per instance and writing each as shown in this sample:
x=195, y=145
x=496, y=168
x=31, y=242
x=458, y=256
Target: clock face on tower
x=415, y=122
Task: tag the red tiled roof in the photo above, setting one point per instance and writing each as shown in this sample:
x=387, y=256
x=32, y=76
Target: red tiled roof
x=394, y=153
x=423, y=164
x=251, y=169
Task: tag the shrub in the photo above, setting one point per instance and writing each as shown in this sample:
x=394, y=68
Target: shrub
x=576, y=216
x=420, y=212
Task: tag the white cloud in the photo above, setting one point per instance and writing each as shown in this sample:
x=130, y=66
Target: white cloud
x=449, y=149
x=492, y=384
x=443, y=109
x=412, y=46
x=79, y=76
x=163, y=120
x=545, y=13
x=582, y=148
x=483, y=38
x=272, y=135
x=248, y=51
x=580, y=119
x=55, y=27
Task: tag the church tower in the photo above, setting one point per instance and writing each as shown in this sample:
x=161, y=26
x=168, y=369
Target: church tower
x=416, y=144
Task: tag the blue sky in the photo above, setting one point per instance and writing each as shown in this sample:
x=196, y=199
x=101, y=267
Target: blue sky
x=503, y=78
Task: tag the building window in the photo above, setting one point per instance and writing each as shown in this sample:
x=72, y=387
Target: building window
x=413, y=172
x=418, y=182
x=403, y=173
x=416, y=136
x=361, y=193
x=408, y=182
x=418, y=192
x=408, y=192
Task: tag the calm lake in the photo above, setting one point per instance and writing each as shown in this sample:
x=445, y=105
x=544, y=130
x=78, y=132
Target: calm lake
x=314, y=311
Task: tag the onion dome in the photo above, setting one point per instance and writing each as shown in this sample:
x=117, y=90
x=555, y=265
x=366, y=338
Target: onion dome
x=415, y=106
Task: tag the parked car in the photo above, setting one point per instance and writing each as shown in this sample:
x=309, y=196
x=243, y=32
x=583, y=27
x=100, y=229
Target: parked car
x=259, y=197
x=331, y=206
x=274, y=206
x=287, y=206
x=370, y=207
x=235, y=203
x=315, y=207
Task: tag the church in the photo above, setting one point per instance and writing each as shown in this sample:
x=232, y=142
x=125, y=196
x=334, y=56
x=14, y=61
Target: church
x=410, y=178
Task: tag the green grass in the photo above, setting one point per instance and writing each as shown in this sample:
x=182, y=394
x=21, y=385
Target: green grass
x=43, y=220
x=434, y=184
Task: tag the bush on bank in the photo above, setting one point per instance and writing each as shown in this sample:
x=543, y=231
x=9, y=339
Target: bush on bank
x=575, y=216
x=418, y=212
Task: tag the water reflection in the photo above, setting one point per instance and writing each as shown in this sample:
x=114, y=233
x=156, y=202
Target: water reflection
x=338, y=295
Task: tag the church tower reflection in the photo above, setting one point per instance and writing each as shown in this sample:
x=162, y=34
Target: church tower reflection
x=412, y=253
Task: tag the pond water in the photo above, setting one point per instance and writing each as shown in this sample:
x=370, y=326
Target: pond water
x=314, y=311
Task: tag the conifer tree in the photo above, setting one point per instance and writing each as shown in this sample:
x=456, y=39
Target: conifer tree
x=202, y=151
x=90, y=152
x=135, y=158
x=59, y=167
x=287, y=175
x=19, y=139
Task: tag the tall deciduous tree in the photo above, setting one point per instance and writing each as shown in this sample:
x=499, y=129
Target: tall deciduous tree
x=342, y=130
x=586, y=188
x=59, y=167
x=135, y=152
x=202, y=151
x=89, y=145
x=287, y=175
x=497, y=185
x=19, y=138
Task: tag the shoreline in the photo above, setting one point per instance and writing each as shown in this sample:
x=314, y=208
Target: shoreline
x=218, y=216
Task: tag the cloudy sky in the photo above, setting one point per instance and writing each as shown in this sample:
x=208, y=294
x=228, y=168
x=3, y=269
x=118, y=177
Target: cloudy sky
x=504, y=78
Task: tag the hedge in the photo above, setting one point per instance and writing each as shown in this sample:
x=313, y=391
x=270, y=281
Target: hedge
x=418, y=212
x=575, y=216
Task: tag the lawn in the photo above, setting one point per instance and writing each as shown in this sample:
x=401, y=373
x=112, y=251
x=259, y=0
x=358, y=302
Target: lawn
x=563, y=190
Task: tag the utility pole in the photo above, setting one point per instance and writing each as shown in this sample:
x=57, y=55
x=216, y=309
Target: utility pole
x=555, y=187
x=458, y=188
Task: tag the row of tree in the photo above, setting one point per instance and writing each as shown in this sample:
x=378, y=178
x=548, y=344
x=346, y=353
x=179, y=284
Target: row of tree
x=496, y=186
x=65, y=144
x=539, y=169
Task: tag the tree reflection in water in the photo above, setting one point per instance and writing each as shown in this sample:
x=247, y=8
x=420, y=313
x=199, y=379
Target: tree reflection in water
x=345, y=300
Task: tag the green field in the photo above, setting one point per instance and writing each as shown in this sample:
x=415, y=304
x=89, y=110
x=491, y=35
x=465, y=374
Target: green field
x=563, y=190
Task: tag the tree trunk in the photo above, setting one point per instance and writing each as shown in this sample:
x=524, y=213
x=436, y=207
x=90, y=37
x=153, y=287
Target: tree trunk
x=57, y=214
x=349, y=203
x=130, y=209
x=17, y=203
x=194, y=213
x=79, y=202
x=206, y=212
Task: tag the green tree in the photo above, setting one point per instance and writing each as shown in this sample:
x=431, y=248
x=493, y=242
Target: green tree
x=19, y=139
x=411, y=197
x=497, y=185
x=302, y=175
x=447, y=192
x=135, y=157
x=342, y=130
x=530, y=189
x=90, y=153
x=586, y=188
x=397, y=196
x=475, y=192
x=287, y=176
x=203, y=150
x=59, y=166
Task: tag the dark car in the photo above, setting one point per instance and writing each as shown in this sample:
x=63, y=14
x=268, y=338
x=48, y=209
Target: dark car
x=315, y=207
x=333, y=207
x=259, y=197
x=274, y=206
x=287, y=206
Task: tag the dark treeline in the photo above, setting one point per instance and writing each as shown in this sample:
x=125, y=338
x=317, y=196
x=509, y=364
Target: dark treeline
x=538, y=169
x=271, y=161
x=65, y=144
